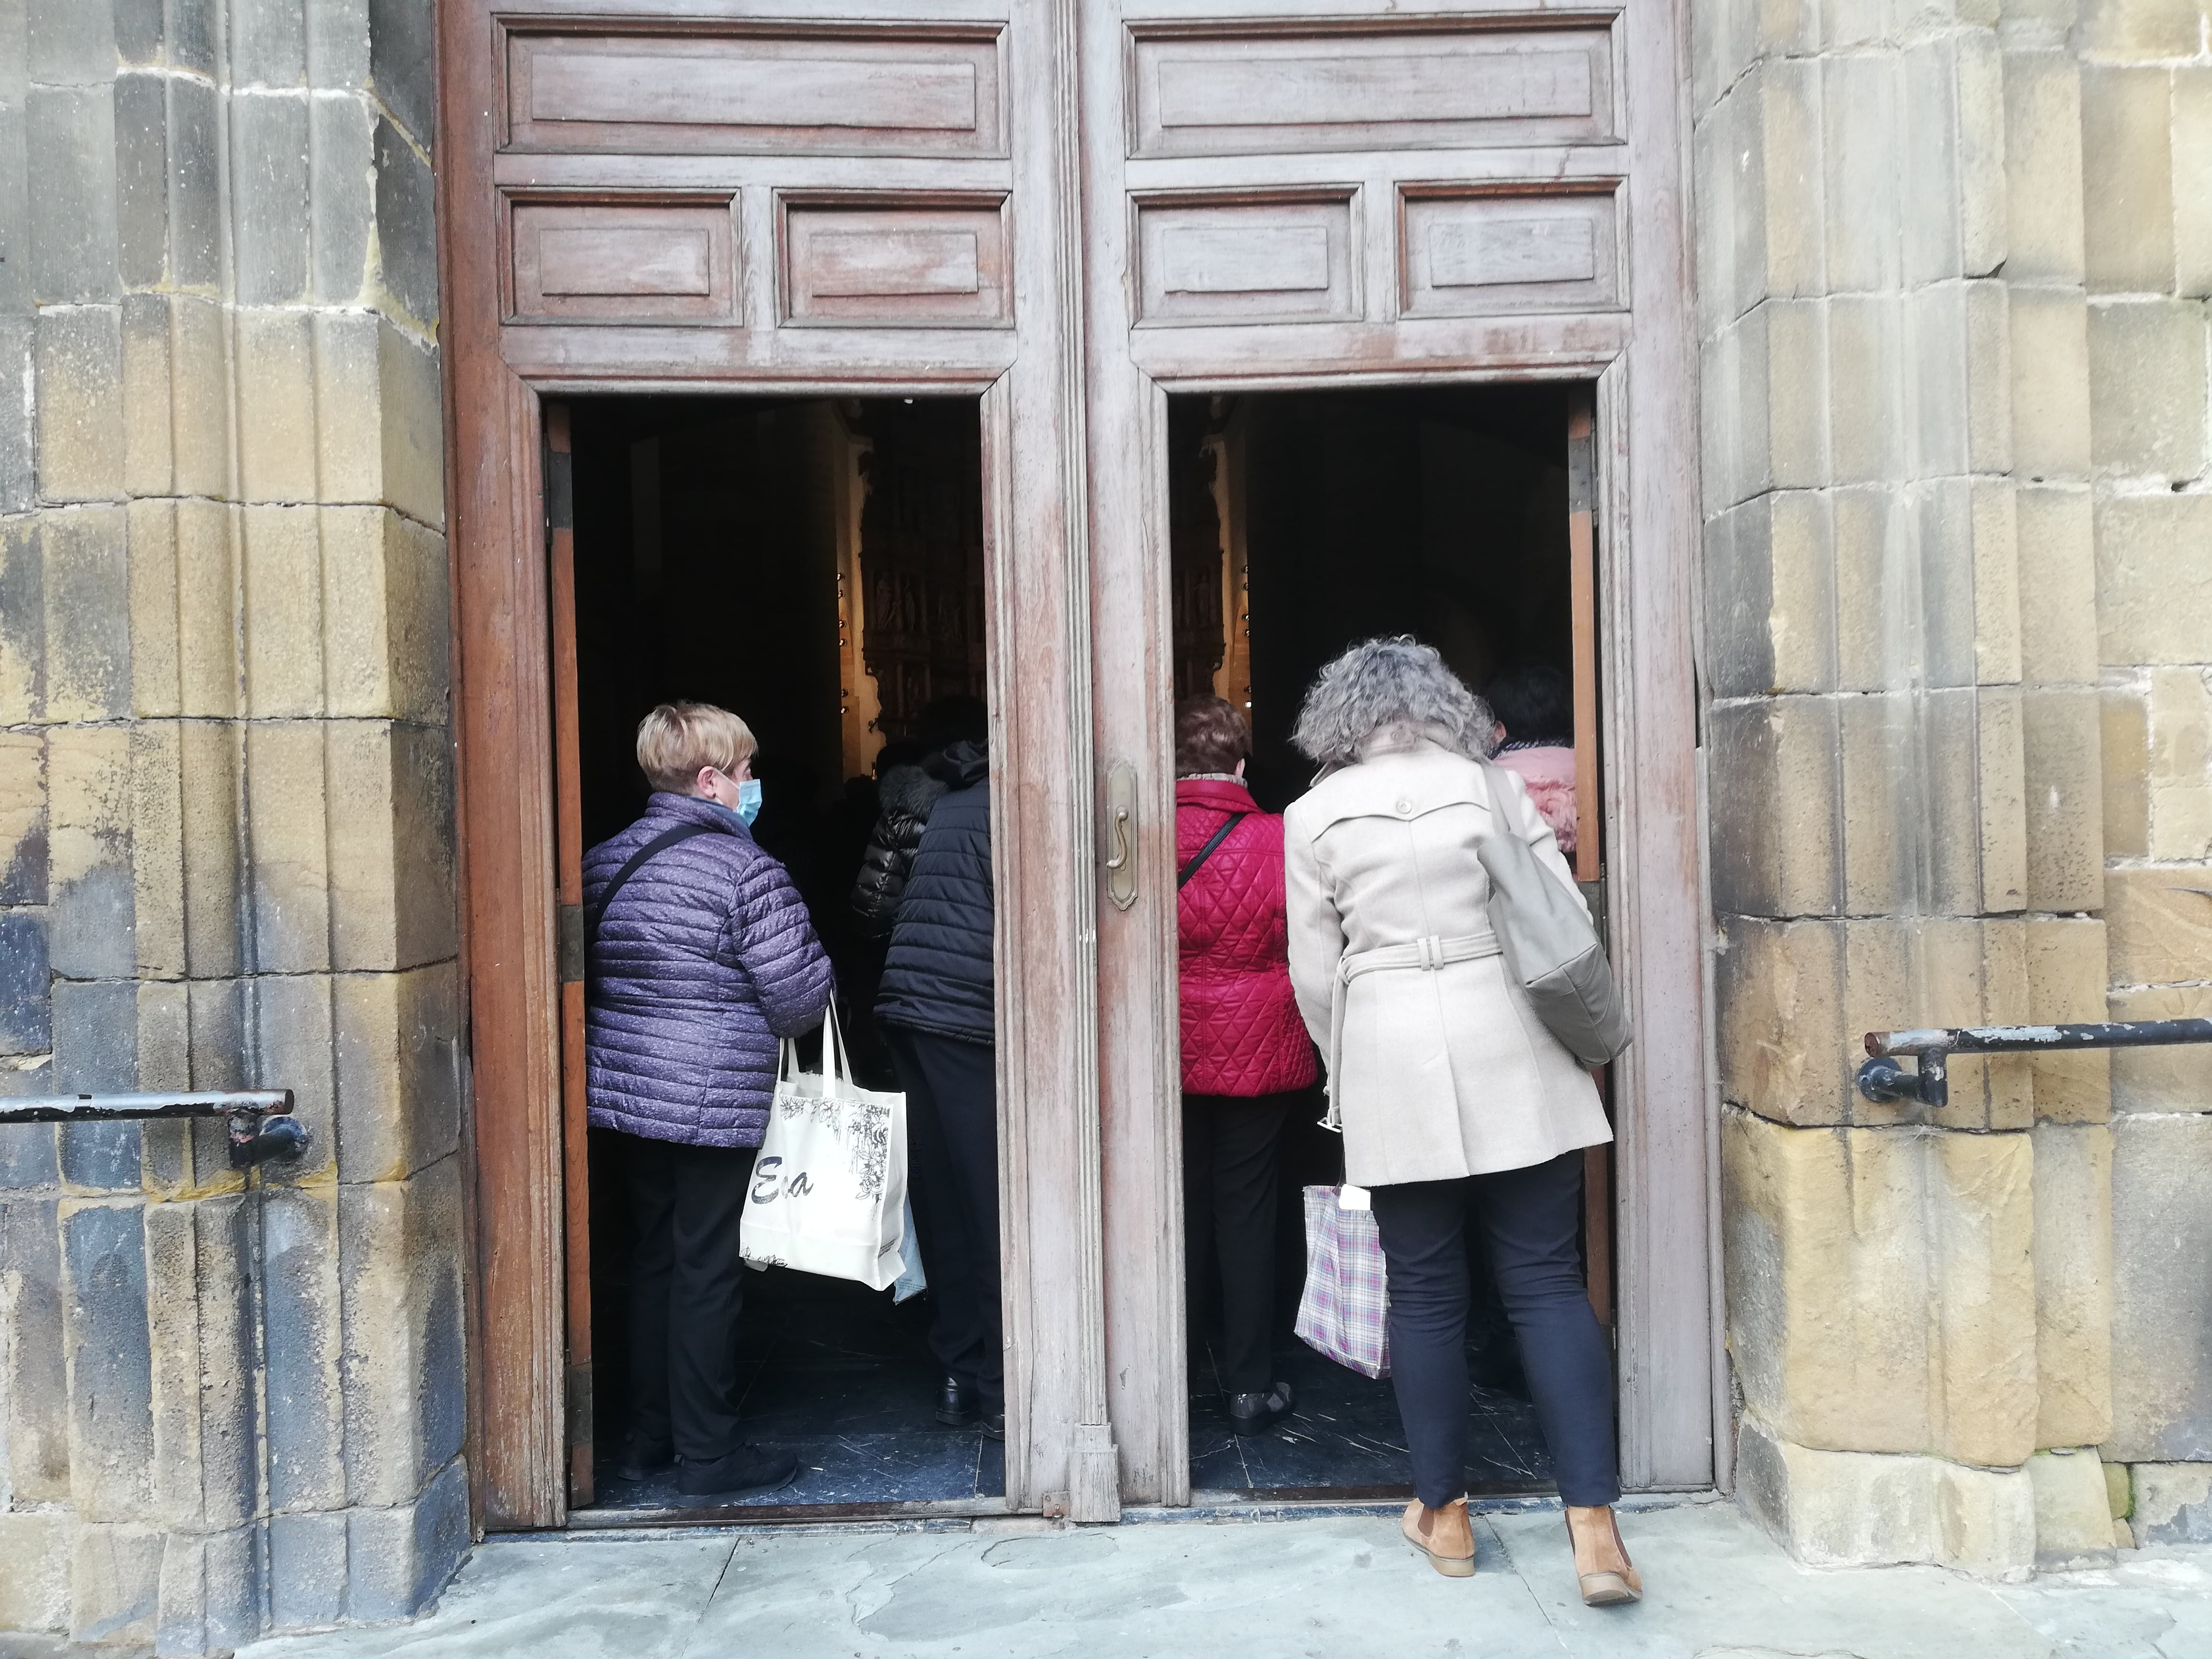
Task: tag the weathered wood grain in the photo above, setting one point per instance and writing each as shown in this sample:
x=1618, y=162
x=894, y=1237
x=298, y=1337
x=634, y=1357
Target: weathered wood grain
x=1241, y=258
x=1414, y=83
x=626, y=261
x=502, y=726
x=890, y=264
x=651, y=85
x=1478, y=251
x=1648, y=528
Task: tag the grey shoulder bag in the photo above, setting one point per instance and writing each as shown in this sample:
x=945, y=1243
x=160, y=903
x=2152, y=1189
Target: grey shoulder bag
x=1549, y=943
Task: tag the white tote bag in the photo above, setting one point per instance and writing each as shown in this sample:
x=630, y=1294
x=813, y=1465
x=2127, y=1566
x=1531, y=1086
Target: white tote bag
x=829, y=1188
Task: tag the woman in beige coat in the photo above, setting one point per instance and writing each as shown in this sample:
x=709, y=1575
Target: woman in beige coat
x=1457, y=1105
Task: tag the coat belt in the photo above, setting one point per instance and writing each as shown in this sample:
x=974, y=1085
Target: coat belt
x=1426, y=954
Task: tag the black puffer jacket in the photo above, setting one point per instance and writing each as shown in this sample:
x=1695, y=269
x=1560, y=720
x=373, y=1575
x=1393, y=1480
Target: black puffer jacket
x=907, y=795
x=937, y=976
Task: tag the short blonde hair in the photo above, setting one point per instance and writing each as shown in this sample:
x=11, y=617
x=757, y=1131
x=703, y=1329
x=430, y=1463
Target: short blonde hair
x=676, y=739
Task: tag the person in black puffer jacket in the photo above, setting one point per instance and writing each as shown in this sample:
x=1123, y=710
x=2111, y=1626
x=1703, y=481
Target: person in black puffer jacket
x=907, y=794
x=936, y=1008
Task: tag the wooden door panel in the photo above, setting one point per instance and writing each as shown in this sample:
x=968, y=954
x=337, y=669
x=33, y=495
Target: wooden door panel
x=1481, y=252
x=1246, y=257
x=775, y=194
x=673, y=259
x=1495, y=171
x=568, y=900
x=641, y=86
x=781, y=206
x=888, y=261
x=1590, y=803
x=1410, y=83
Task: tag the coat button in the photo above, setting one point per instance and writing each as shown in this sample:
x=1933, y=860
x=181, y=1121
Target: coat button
x=1405, y=808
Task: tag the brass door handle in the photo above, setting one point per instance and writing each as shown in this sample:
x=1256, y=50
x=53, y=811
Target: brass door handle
x=1121, y=811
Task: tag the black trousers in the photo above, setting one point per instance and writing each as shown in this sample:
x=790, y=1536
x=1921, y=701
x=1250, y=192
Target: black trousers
x=1228, y=1223
x=952, y=1168
x=687, y=1287
x=1530, y=1219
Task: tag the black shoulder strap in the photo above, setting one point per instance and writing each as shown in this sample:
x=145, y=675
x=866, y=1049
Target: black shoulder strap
x=1206, y=851
x=666, y=838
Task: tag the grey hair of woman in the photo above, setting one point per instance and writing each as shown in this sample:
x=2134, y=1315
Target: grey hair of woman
x=1395, y=684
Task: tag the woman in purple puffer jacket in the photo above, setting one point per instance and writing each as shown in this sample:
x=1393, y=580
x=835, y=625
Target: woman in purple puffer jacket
x=701, y=959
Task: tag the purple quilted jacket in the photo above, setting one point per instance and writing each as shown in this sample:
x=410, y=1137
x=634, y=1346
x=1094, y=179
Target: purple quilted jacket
x=703, y=961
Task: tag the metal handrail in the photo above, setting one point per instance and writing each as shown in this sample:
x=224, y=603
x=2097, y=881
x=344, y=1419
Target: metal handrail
x=1882, y=1079
x=261, y=1122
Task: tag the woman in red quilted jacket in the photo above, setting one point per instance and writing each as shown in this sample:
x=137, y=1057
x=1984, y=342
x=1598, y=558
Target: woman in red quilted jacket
x=1245, y=1051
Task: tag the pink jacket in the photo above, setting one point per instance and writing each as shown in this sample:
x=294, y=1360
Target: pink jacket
x=1549, y=772
x=1241, y=1031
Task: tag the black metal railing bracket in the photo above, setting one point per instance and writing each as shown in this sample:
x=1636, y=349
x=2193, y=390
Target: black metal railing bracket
x=260, y=1120
x=1885, y=1078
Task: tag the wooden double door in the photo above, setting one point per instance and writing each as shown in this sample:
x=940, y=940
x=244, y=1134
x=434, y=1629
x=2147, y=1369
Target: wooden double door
x=1071, y=210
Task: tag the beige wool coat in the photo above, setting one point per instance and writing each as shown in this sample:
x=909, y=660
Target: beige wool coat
x=1442, y=1067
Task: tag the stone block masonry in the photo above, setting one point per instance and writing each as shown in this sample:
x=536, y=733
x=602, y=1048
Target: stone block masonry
x=231, y=1406
x=2147, y=152
x=1957, y=640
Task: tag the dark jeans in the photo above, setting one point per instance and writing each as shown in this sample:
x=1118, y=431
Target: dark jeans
x=687, y=1287
x=1530, y=1219
x=953, y=1165
x=1228, y=1222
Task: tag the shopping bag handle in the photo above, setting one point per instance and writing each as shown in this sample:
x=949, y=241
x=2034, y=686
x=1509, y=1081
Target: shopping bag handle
x=836, y=1064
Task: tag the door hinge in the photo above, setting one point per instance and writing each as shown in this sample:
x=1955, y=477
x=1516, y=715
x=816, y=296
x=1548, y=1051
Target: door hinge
x=569, y=931
x=579, y=1405
x=1594, y=896
x=1582, y=462
x=560, y=474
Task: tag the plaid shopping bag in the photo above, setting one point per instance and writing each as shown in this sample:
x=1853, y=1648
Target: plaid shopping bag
x=1343, y=1313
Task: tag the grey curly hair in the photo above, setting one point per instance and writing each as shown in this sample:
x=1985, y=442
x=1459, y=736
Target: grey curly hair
x=1391, y=683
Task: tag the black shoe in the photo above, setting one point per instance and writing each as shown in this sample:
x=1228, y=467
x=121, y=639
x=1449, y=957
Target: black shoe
x=640, y=1459
x=957, y=1402
x=995, y=1425
x=749, y=1468
x=1255, y=1413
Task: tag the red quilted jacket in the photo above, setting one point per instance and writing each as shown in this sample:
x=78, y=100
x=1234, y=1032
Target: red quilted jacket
x=1241, y=1031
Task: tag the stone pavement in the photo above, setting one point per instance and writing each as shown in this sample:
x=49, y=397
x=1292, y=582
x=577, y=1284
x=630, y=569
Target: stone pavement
x=1340, y=1584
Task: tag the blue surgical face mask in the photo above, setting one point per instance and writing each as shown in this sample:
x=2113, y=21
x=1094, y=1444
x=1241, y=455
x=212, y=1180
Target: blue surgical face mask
x=749, y=800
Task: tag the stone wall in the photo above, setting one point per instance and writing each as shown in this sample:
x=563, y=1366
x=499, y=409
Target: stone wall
x=1958, y=602
x=227, y=854
x=2145, y=75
